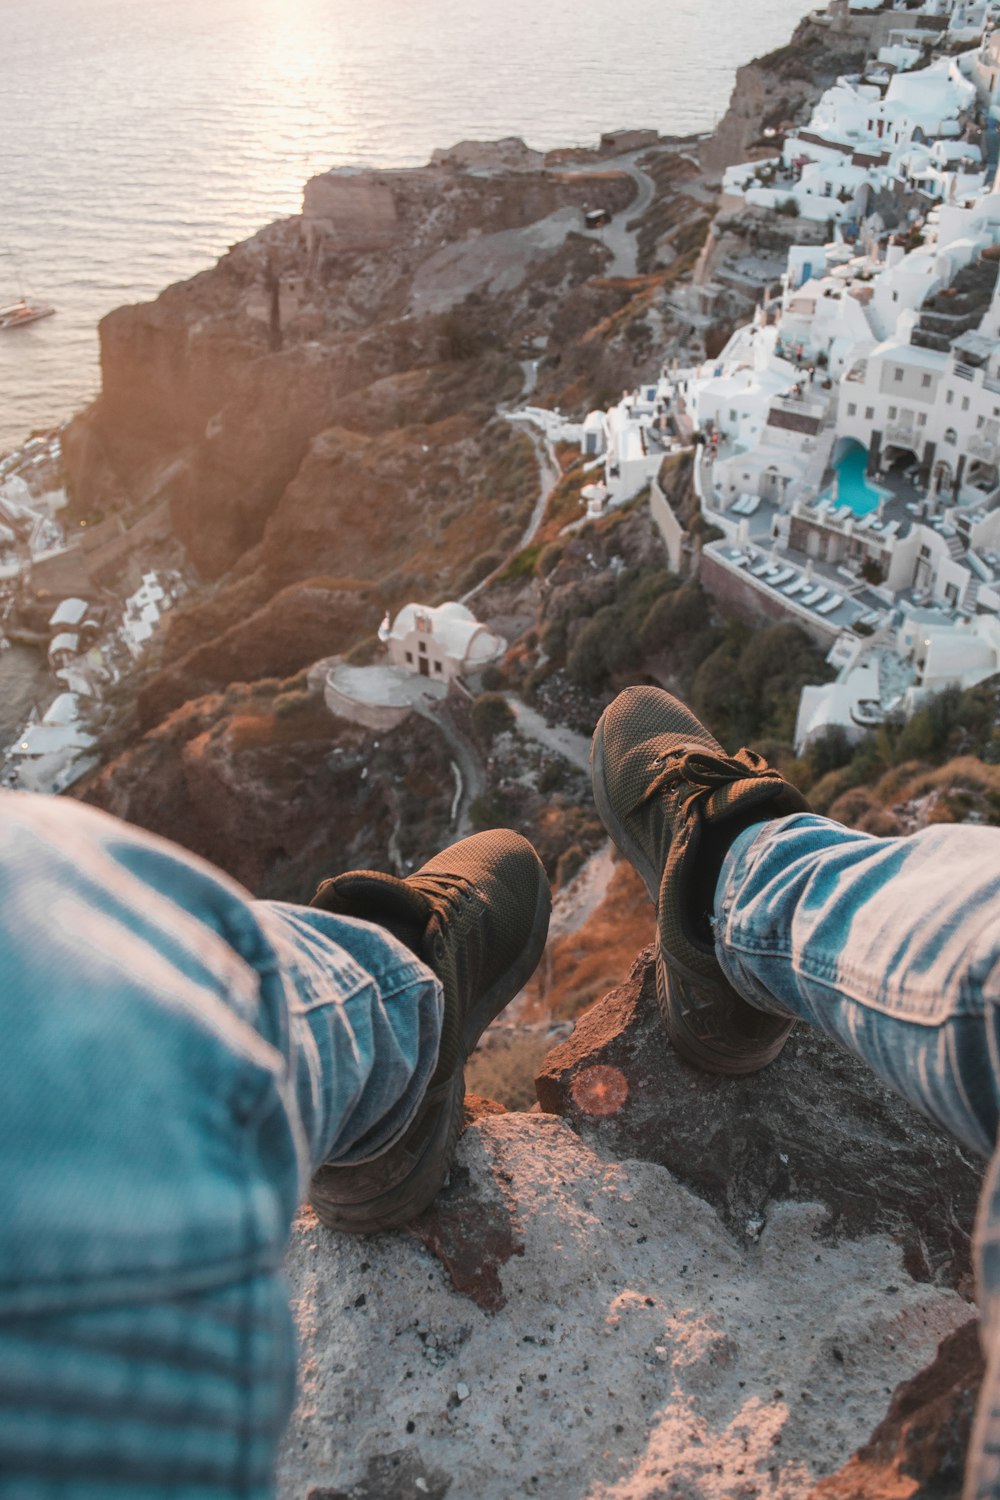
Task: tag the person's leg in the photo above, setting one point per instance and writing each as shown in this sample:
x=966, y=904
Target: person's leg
x=890, y=945
x=177, y=1060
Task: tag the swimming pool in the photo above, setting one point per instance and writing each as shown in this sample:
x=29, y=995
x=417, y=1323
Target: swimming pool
x=853, y=487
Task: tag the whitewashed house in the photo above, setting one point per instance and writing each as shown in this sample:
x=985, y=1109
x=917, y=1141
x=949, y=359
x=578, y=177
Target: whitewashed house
x=441, y=643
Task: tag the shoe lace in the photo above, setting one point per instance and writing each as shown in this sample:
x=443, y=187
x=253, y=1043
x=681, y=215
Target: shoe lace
x=449, y=896
x=704, y=773
x=456, y=952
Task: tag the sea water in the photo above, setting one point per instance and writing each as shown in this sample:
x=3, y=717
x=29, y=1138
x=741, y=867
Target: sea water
x=140, y=140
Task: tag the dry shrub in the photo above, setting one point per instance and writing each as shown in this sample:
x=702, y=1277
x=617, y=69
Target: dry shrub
x=580, y=967
x=505, y=1068
x=249, y=730
x=891, y=786
x=293, y=718
x=965, y=773
x=860, y=808
x=824, y=793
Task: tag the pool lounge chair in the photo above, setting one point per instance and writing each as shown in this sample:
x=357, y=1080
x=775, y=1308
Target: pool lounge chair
x=782, y=578
x=811, y=600
x=834, y=602
x=798, y=587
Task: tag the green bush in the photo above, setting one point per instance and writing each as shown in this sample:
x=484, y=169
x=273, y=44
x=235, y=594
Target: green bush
x=524, y=565
x=549, y=557
x=552, y=777
x=460, y=336
x=480, y=567
x=491, y=715
x=554, y=640
x=493, y=810
x=748, y=688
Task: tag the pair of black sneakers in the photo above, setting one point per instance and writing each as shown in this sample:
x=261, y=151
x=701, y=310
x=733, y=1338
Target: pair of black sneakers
x=478, y=914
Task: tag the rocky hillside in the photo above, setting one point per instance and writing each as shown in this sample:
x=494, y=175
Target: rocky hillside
x=779, y=89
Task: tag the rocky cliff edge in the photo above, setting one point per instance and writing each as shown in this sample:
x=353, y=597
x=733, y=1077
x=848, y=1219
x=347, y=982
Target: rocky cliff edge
x=663, y=1285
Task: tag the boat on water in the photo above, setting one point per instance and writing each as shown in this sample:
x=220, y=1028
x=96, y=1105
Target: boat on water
x=17, y=314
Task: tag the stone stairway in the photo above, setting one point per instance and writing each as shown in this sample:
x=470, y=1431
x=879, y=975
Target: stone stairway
x=819, y=459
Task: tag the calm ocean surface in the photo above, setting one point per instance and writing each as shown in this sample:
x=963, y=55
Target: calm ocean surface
x=139, y=140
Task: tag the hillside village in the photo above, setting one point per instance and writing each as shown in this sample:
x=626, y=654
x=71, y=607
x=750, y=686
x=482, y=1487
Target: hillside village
x=847, y=439
x=816, y=283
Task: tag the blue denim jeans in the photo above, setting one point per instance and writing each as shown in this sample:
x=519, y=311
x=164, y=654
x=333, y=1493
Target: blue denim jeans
x=892, y=946
x=175, y=1060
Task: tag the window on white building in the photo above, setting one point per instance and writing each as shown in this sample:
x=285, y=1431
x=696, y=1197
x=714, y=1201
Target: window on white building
x=921, y=419
x=925, y=381
x=949, y=398
x=965, y=403
x=979, y=423
x=852, y=409
x=893, y=413
x=951, y=436
x=869, y=413
x=897, y=373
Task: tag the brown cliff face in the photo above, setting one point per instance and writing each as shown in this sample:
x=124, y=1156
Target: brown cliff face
x=366, y=522
x=324, y=432
x=273, y=789
x=780, y=89
x=212, y=394
x=290, y=631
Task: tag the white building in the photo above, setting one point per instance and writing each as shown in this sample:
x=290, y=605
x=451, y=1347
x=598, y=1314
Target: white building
x=440, y=643
x=50, y=754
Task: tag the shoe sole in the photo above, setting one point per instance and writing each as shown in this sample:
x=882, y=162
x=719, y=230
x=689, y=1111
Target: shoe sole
x=427, y=1176
x=676, y=1004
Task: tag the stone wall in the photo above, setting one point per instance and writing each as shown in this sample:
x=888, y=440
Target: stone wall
x=380, y=716
x=738, y=596
x=670, y=529
x=349, y=210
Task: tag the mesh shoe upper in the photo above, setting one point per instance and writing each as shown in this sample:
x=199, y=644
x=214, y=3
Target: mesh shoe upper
x=673, y=800
x=477, y=914
x=469, y=913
